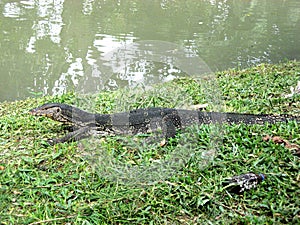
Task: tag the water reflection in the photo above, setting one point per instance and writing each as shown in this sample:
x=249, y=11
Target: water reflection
x=49, y=23
x=54, y=45
x=12, y=10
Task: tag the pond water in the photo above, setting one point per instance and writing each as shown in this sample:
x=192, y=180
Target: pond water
x=51, y=46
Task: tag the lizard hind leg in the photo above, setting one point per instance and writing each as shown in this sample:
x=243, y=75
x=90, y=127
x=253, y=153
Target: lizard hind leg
x=170, y=125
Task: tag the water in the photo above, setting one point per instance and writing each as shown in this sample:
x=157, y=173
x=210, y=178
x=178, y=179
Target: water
x=49, y=47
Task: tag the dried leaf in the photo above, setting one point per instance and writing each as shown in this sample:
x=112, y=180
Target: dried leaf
x=287, y=144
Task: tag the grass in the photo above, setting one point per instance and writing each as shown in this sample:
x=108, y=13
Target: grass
x=41, y=184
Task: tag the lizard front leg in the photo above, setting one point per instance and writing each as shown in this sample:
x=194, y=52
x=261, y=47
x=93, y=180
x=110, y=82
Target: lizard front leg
x=79, y=134
x=72, y=136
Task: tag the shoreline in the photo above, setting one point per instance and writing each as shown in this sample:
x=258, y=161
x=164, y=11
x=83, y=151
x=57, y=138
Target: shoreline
x=43, y=184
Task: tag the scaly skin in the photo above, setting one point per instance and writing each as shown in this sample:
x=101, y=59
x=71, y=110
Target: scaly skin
x=239, y=184
x=142, y=120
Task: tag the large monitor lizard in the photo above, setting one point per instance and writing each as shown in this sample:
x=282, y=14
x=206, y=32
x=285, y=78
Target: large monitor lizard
x=168, y=120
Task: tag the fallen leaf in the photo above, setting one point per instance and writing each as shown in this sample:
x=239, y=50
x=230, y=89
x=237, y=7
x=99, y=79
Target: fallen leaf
x=287, y=144
x=278, y=140
x=266, y=138
x=163, y=143
x=198, y=107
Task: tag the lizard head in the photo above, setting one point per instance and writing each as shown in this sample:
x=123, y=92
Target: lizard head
x=55, y=111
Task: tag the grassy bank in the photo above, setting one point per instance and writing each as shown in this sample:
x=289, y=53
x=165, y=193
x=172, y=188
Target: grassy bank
x=42, y=184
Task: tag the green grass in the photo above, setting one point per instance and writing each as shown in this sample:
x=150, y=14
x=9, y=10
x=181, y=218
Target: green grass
x=41, y=184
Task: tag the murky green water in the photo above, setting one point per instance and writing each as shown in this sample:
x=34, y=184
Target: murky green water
x=52, y=46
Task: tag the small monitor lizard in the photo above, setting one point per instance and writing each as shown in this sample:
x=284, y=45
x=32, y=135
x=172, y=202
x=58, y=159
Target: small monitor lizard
x=138, y=121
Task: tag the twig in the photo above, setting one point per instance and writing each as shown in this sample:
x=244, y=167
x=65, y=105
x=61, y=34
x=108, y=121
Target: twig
x=53, y=185
x=227, y=207
x=51, y=220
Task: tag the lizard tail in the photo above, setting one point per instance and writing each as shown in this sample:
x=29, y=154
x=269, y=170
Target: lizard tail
x=236, y=118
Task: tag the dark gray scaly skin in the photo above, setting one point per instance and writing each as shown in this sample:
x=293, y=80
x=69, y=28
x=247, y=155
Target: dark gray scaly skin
x=239, y=184
x=140, y=121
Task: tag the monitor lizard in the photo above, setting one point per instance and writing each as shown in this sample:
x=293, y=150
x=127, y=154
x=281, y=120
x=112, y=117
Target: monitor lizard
x=168, y=120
